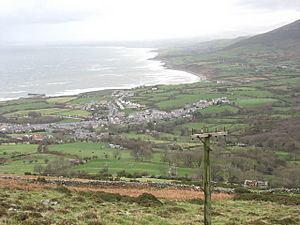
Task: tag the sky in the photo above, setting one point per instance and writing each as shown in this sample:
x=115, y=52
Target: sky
x=51, y=21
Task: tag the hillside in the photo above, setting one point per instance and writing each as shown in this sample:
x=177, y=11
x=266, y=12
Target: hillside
x=39, y=204
x=286, y=37
x=144, y=133
x=257, y=55
x=264, y=65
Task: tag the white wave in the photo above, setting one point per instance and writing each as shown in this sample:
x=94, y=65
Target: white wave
x=111, y=59
x=17, y=92
x=147, y=71
x=7, y=99
x=98, y=67
x=79, y=91
x=57, y=83
x=23, y=85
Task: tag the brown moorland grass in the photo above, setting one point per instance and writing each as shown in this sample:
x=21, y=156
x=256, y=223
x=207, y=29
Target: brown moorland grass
x=162, y=193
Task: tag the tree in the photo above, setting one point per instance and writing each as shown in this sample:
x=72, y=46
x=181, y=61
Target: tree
x=116, y=154
x=104, y=171
x=235, y=175
x=141, y=152
x=197, y=115
x=34, y=114
x=57, y=167
x=184, y=131
x=42, y=148
x=190, y=158
x=150, y=125
x=38, y=168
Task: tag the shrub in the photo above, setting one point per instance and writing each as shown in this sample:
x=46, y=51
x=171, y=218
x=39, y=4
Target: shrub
x=122, y=173
x=38, y=221
x=196, y=201
x=241, y=190
x=94, y=222
x=169, y=212
x=108, y=197
x=148, y=200
x=63, y=190
x=35, y=215
x=281, y=199
x=3, y=211
x=79, y=199
x=21, y=216
x=88, y=215
x=41, y=180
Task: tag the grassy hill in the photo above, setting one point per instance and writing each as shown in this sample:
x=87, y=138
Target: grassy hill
x=285, y=38
x=263, y=118
x=258, y=55
x=252, y=72
x=62, y=206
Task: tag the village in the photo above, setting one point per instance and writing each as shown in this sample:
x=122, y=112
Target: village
x=105, y=114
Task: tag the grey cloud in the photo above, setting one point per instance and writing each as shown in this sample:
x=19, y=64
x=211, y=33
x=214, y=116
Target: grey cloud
x=39, y=14
x=40, y=19
x=271, y=4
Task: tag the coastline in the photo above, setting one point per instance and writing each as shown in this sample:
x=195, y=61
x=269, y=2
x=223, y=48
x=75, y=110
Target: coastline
x=204, y=76
x=163, y=63
x=168, y=65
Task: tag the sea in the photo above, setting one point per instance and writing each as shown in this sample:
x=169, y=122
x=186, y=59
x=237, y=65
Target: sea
x=70, y=70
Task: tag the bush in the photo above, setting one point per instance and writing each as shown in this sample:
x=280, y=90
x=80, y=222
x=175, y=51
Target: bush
x=63, y=190
x=41, y=180
x=241, y=190
x=21, y=216
x=281, y=199
x=35, y=215
x=3, y=211
x=88, y=215
x=79, y=199
x=148, y=200
x=122, y=173
x=196, y=201
x=58, y=167
x=171, y=211
x=108, y=197
x=145, y=199
x=94, y=222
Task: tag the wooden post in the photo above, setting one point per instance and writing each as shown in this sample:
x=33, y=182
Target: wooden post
x=204, y=137
x=207, y=182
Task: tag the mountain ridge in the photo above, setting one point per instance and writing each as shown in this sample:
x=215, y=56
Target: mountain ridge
x=285, y=37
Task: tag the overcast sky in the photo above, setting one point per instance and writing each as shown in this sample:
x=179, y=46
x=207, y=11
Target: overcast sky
x=38, y=21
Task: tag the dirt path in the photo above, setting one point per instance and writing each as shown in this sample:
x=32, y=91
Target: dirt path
x=23, y=182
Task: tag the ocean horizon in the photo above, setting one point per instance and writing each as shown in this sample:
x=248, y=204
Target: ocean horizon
x=65, y=70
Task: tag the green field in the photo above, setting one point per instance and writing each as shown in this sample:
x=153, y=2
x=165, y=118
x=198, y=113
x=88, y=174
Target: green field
x=23, y=158
x=19, y=106
x=52, y=111
x=10, y=149
x=60, y=100
x=53, y=106
x=248, y=102
x=180, y=101
x=219, y=109
x=263, y=117
x=26, y=164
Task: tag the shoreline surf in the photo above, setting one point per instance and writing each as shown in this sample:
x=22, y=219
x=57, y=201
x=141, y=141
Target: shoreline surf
x=162, y=75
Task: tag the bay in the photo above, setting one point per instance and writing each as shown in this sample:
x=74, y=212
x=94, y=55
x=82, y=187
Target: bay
x=69, y=70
